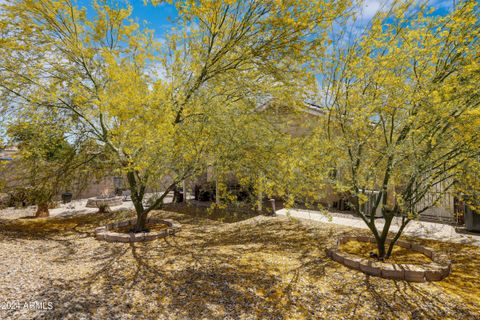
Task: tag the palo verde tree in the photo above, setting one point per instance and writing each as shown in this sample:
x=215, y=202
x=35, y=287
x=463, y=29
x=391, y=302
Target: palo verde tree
x=46, y=162
x=102, y=73
x=402, y=112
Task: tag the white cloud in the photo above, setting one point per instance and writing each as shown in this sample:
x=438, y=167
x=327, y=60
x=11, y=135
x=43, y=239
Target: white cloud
x=157, y=71
x=370, y=8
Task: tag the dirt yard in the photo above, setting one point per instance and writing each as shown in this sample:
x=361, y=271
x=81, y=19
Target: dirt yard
x=259, y=268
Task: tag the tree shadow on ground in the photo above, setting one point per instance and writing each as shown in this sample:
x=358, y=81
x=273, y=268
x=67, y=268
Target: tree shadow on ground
x=40, y=228
x=267, y=268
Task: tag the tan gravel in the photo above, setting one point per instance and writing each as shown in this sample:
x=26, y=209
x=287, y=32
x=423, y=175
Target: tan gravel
x=260, y=268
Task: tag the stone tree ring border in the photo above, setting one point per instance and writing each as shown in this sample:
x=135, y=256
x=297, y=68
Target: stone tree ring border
x=105, y=233
x=437, y=270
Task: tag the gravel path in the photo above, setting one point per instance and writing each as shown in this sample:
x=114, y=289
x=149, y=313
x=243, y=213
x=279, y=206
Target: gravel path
x=417, y=229
x=76, y=207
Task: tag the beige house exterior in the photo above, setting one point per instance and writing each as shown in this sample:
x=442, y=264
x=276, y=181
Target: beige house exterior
x=80, y=189
x=444, y=205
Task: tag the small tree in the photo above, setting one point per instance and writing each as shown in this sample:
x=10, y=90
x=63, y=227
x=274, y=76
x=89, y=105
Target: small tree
x=402, y=112
x=46, y=163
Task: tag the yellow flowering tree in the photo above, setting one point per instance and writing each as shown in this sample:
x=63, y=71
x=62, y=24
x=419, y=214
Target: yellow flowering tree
x=155, y=107
x=402, y=112
x=48, y=161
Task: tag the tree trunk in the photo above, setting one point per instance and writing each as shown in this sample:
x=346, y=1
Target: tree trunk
x=42, y=210
x=381, y=248
x=137, y=194
x=184, y=187
x=141, y=214
x=217, y=192
x=260, y=201
x=137, y=199
x=390, y=249
x=176, y=195
x=397, y=236
x=140, y=226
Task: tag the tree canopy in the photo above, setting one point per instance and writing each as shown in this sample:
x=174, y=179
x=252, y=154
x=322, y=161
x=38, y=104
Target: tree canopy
x=157, y=107
x=402, y=107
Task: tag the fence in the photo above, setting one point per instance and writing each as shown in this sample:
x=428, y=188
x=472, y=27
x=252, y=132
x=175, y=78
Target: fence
x=441, y=205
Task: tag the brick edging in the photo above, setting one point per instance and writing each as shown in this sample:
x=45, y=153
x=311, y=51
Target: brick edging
x=437, y=270
x=104, y=233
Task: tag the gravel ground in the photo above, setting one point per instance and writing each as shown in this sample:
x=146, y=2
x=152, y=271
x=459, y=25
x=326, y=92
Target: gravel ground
x=260, y=268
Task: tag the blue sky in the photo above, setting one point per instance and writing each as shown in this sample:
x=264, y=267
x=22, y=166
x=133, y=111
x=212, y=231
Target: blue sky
x=162, y=17
x=159, y=18
x=370, y=7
